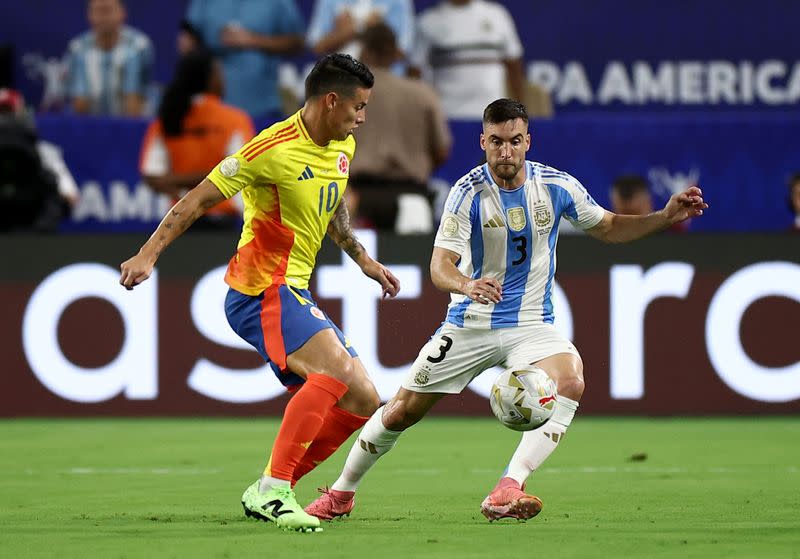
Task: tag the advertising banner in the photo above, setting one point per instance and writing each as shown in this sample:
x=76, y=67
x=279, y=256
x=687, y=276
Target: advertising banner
x=666, y=326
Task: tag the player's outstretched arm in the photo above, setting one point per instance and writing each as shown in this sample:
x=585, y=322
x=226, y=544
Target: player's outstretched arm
x=616, y=228
x=446, y=276
x=342, y=234
x=138, y=268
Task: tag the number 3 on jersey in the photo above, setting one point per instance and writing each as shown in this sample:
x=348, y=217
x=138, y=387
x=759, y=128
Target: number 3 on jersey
x=447, y=343
x=332, y=198
x=521, y=244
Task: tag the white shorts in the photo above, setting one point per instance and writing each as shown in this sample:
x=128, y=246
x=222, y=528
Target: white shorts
x=454, y=355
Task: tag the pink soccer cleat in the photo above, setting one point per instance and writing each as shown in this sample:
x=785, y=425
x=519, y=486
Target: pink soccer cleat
x=332, y=503
x=508, y=500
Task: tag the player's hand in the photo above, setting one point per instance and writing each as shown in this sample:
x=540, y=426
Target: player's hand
x=685, y=205
x=135, y=270
x=483, y=290
x=390, y=285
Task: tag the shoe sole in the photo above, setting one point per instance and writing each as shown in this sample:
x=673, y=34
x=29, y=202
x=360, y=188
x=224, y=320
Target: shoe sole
x=258, y=516
x=332, y=518
x=521, y=509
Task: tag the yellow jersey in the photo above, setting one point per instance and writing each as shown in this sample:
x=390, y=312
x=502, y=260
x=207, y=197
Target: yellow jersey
x=291, y=187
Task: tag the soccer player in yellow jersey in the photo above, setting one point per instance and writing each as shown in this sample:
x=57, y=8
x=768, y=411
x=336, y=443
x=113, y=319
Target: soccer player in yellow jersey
x=292, y=177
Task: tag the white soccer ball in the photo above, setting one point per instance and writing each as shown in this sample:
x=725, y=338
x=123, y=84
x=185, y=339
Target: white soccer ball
x=523, y=398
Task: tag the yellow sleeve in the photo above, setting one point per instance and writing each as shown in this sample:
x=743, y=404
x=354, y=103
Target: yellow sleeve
x=241, y=170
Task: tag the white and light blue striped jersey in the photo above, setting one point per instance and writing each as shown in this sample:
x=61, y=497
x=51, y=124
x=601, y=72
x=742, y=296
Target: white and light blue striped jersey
x=511, y=235
x=106, y=76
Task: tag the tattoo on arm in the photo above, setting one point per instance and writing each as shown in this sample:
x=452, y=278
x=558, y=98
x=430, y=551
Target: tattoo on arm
x=341, y=233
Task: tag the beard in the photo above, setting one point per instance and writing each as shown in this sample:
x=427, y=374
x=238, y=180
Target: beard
x=506, y=171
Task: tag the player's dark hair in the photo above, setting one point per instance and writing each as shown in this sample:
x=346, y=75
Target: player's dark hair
x=192, y=76
x=504, y=110
x=627, y=186
x=338, y=73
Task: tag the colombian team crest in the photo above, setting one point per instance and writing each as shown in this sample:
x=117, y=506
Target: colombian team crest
x=516, y=218
x=343, y=164
x=317, y=313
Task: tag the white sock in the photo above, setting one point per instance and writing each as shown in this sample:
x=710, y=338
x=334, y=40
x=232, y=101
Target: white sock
x=266, y=483
x=373, y=441
x=537, y=445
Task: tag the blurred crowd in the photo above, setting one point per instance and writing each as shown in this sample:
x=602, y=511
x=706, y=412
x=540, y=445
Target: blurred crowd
x=446, y=62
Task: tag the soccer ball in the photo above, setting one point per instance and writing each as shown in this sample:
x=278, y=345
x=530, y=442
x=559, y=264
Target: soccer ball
x=523, y=398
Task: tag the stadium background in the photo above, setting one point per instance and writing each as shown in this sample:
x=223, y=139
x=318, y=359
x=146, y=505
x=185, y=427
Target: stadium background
x=77, y=344
x=699, y=324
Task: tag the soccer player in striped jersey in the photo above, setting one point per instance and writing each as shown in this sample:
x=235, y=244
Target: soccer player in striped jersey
x=292, y=177
x=495, y=252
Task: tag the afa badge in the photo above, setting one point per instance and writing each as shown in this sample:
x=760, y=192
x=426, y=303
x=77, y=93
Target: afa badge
x=542, y=218
x=516, y=218
x=343, y=163
x=422, y=377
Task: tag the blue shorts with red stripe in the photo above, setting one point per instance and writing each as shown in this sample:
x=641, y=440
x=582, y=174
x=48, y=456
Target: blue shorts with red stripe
x=277, y=323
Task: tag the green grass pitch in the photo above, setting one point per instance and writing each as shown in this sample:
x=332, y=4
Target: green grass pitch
x=652, y=488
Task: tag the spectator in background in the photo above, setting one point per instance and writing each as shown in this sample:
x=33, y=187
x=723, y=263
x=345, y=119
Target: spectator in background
x=193, y=132
x=109, y=68
x=189, y=38
x=336, y=24
x=404, y=138
x=630, y=195
x=250, y=36
x=37, y=187
x=471, y=51
x=794, y=200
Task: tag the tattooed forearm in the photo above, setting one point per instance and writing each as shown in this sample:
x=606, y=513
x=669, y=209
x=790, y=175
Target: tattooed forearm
x=341, y=233
x=177, y=220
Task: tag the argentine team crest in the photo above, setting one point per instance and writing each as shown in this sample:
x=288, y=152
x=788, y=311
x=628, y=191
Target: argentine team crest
x=516, y=218
x=541, y=216
x=343, y=163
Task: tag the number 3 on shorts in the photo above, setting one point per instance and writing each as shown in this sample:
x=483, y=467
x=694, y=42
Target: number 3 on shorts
x=443, y=349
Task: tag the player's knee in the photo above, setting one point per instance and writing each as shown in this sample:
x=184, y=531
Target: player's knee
x=571, y=386
x=341, y=368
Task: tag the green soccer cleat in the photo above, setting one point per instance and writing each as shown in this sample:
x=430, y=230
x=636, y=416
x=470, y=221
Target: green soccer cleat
x=280, y=506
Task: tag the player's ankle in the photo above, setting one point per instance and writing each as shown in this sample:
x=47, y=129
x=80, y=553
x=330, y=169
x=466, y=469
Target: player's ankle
x=506, y=482
x=342, y=495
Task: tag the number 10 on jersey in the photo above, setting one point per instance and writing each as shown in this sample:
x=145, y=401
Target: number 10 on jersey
x=332, y=197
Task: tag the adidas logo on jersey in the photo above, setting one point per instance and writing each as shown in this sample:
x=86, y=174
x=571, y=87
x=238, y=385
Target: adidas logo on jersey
x=307, y=174
x=496, y=221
